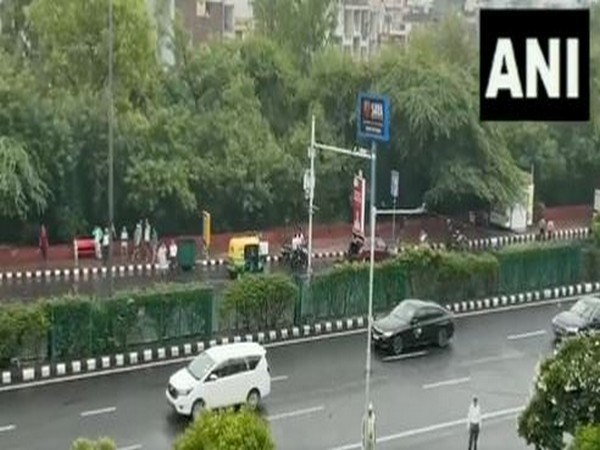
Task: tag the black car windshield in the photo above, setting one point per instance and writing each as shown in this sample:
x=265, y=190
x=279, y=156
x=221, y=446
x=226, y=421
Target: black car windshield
x=200, y=365
x=584, y=308
x=404, y=311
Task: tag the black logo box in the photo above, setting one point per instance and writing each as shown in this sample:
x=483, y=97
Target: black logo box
x=518, y=25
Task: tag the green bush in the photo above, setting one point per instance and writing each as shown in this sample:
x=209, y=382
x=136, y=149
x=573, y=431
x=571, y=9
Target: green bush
x=226, y=430
x=446, y=276
x=586, y=438
x=259, y=302
x=596, y=230
x=22, y=329
x=591, y=263
x=100, y=444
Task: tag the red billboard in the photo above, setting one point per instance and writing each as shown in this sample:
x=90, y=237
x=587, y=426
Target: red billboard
x=358, y=205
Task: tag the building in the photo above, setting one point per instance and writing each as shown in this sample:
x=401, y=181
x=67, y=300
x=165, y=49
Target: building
x=357, y=30
x=207, y=19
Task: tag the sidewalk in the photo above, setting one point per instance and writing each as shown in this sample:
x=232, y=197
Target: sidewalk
x=327, y=238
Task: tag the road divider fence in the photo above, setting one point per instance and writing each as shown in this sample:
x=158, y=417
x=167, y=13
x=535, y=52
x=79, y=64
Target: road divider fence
x=124, y=270
x=45, y=373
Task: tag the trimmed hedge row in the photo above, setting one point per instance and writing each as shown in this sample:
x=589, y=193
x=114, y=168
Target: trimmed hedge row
x=76, y=327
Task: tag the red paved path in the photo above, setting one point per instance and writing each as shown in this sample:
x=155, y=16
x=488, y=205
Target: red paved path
x=326, y=237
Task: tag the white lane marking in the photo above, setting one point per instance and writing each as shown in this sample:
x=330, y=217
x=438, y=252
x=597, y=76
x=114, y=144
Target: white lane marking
x=491, y=359
x=405, y=356
x=7, y=428
x=447, y=383
x=183, y=359
x=95, y=412
x=279, y=378
x=514, y=337
x=436, y=427
x=299, y=412
x=131, y=447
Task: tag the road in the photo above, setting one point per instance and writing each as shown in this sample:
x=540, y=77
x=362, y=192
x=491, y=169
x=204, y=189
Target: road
x=318, y=394
x=19, y=290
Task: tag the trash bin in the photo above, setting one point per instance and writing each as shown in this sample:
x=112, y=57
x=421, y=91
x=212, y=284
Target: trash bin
x=186, y=253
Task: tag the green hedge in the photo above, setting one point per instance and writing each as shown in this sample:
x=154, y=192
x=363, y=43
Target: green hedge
x=539, y=265
x=22, y=330
x=259, y=302
x=77, y=327
x=344, y=291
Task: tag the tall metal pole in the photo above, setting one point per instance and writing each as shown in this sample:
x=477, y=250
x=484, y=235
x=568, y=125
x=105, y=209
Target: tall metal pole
x=110, y=147
x=371, y=278
x=311, y=199
x=394, y=225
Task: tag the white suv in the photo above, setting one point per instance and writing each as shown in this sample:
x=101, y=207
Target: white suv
x=222, y=376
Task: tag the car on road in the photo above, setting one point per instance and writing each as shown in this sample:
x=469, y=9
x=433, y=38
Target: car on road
x=220, y=377
x=583, y=317
x=413, y=323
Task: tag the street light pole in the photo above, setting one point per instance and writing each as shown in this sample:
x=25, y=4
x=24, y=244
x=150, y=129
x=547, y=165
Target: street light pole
x=311, y=198
x=371, y=277
x=110, y=147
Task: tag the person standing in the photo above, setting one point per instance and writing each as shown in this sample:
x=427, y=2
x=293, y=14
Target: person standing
x=368, y=436
x=474, y=423
x=124, y=244
x=97, y=233
x=105, y=245
x=147, y=233
x=43, y=243
x=137, y=241
x=154, y=243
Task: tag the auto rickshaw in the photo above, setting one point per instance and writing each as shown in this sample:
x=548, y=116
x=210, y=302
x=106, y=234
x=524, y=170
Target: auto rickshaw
x=245, y=255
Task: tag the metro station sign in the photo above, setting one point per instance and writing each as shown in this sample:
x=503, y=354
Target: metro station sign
x=373, y=117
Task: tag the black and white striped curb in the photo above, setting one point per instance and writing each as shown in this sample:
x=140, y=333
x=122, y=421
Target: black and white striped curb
x=139, y=269
x=140, y=358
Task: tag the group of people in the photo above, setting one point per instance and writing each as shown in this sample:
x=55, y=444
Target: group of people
x=474, y=418
x=546, y=228
x=146, y=245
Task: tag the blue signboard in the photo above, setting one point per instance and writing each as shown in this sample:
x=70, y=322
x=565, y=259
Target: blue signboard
x=373, y=117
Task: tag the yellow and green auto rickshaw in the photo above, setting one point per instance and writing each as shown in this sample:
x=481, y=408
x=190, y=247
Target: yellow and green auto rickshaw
x=245, y=255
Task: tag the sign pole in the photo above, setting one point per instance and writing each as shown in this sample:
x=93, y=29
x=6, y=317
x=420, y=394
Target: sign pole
x=311, y=198
x=394, y=225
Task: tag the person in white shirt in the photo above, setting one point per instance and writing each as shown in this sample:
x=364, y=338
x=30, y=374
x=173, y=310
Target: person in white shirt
x=474, y=423
x=173, y=253
x=124, y=243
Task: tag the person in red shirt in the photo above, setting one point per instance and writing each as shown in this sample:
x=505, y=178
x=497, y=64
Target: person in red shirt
x=43, y=243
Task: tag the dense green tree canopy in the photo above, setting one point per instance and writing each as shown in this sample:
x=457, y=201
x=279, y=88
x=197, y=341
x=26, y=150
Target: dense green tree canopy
x=226, y=127
x=566, y=395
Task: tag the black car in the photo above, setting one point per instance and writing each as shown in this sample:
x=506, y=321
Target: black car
x=413, y=323
x=583, y=317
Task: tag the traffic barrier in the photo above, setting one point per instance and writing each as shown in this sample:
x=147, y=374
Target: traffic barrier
x=318, y=330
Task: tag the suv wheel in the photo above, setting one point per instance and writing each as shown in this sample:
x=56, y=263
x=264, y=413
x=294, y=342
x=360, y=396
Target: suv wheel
x=442, y=338
x=197, y=409
x=253, y=399
x=397, y=345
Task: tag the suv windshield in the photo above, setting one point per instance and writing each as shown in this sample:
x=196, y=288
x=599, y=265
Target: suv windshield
x=584, y=308
x=200, y=365
x=404, y=311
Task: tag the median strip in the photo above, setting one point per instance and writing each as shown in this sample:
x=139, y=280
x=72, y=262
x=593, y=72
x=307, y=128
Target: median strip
x=41, y=374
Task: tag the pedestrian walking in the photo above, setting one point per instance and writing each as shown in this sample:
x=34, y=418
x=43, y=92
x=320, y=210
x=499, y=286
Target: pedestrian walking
x=43, y=243
x=124, y=244
x=542, y=228
x=173, y=254
x=368, y=435
x=105, y=244
x=474, y=423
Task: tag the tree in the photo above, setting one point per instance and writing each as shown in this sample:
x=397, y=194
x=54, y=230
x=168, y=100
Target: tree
x=21, y=188
x=587, y=438
x=303, y=26
x=566, y=395
x=71, y=40
x=100, y=444
x=226, y=430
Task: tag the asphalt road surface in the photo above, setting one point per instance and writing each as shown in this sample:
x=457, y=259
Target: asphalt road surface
x=317, y=398
x=19, y=290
